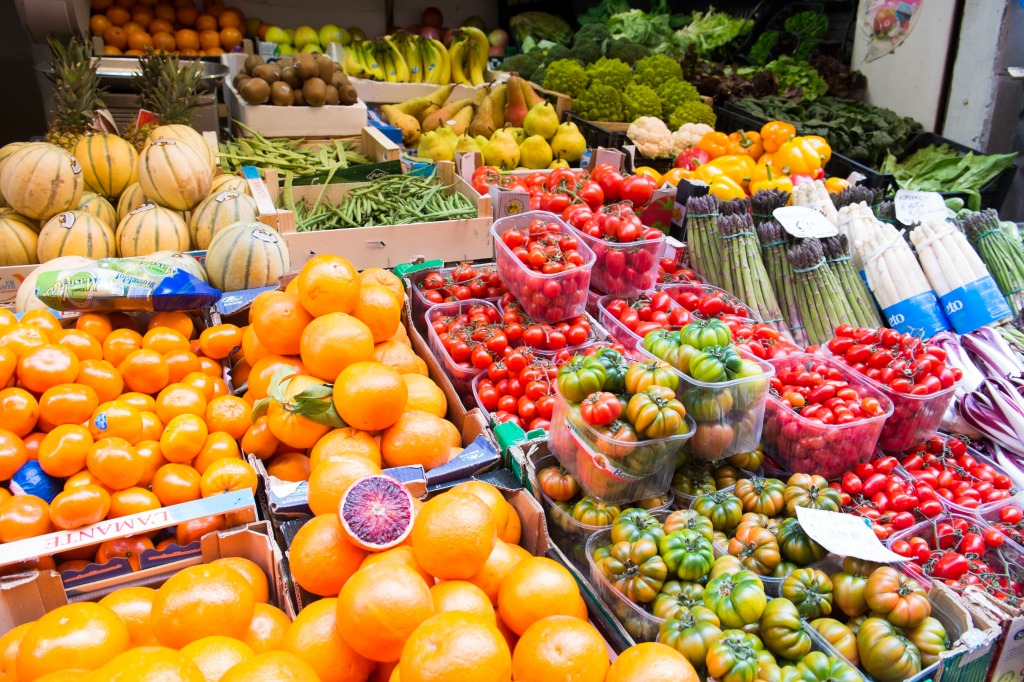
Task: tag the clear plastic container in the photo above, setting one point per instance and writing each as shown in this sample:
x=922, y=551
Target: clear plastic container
x=551, y=298
x=635, y=264
x=631, y=340
x=420, y=304
x=801, y=445
x=596, y=333
x=592, y=299
x=641, y=624
x=675, y=291
x=462, y=377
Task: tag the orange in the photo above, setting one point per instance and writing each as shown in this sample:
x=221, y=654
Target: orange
x=81, y=635
x=144, y=371
x=328, y=284
x=176, y=483
x=205, y=22
x=230, y=18
x=560, y=647
x=161, y=25
x=537, y=588
x=64, y=450
x=506, y=519
x=132, y=501
x=32, y=442
x=7, y=319
x=24, y=516
x=329, y=481
x=12, y=454
x=321, y=558
x=98, y=24
x=501, y=561
x=164, y=340
x=150, y=664
x=287, y=421
x=456, y=647
x=187, y=15
x=46, y=366
x=209, y=38
x=314, y=638
x=125, y=548
x=343, y=441
x=200, y=601
x=252, y=349
x=334, y=341
x=67, y=404
x=183, y=438
x=142, y=16
x=267, y=629
x=227, y=475
x=80, y=506
x=402, y=554
x=400, y=356
x=218, y=445
x=43, y=320
x=116, y=419
x=279, y=666
x=21, y=339
x=84, y=478
x=118, y=15
x=651, y=662
x=453, y=535
x=402, y=336
x=181, y=363
x=424, y=395
x=102, y=377
x=381, y=309
x=119, y=343
x=140, y=401
x=9, y=644
x=215, y=655
x=252, y=573
x=139, y=39
x=279, y=321
x=384, y=278
x=378, y=610
x=258, y=440
x=178, y=399
x=84, y=346
x=220, y=387
x=164, y=41
x=220, y=341
x=194, y=529
x=459, y=595
x=240, y=372
x=8, y=366
x=230, y=38
x=152, y=427
x=20, y=411
x=416, y=438
x=511, y=638
x=265, y=368
x=186, y=38
x=291, y=466
x=179, y=322
x=96, y=325
x=152, y=459
x=370, y=396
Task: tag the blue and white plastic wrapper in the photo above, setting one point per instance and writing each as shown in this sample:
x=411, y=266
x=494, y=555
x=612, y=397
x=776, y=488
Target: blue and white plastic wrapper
x=919, y=315
x=30, y=479
x=975, y=305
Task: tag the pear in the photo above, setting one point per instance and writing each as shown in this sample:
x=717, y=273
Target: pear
x=483, y=119
x=407, y=123
x=435, y=101
x=446, y=113
x=558, y=163
x=412, y=107
x=529, y=94
x=541, y=120
x=501, y=150
x=535, y=152
x=516, y=110
x=482, y=141
x=498, y=97
x=518, y=134
x=434, y=146
x=468, y=144
x=460, y=122
x=568, y=143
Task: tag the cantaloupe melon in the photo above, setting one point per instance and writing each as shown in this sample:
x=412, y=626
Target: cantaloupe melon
x=151, y=228
x=75, y=233
x=97, y=206
x=189, y=136
x=5, y=153
x=217, y=211
x=246, y=255
x=41, y=180
x=229, y=183
x=180, y=260
x=108, y=163
x=26, y=298
x=18, y=239
x=131, y=199
x=174, y=175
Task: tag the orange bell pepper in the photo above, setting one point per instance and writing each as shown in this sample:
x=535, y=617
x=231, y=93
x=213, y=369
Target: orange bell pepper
x=836, y=185
x=776, y=133
x=746, y=144
x=676, y=175
x=715, y=144
x=800, y=156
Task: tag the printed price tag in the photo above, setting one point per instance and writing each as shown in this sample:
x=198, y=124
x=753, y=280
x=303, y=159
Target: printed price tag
x=259, y=190
x=919, y=207
x=802, y=222
x=845, y=535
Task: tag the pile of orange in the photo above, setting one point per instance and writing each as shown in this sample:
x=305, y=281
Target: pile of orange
x=131, y=27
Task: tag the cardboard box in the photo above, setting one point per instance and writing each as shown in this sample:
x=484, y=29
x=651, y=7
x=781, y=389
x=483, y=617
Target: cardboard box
x=385, y=157
x=1008, y=622
x=304, y=121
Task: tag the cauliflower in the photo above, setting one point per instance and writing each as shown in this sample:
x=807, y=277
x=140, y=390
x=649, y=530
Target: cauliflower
x=566, y=76
x=640, y=100
x=689, y=135
x=599, y=103
x=675, y=93
x=692, y=112
x=613, y=72
x=651, y=136
x=657, y=69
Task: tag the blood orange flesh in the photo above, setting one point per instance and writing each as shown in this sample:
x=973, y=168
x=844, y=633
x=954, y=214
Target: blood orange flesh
x=376, y=513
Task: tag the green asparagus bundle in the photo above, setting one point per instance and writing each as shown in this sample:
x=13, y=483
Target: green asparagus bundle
x=1014, y=337
x=774, y=243
x=764, y=202
x=886, y=211
x=854, y=195
x=734, y=207
x=702, y=238
x=744, y=272
x=862, y=303
x=1002, y=255
x=823, y=305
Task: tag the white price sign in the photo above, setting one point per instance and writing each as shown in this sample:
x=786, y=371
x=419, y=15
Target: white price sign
x=845, y=535
x=803, y=222
x=913, y=208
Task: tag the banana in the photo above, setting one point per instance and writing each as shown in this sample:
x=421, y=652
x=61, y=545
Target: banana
x=480, y=43
x=351, y=64
x=476, y=67
x=445, y=62
x=413, y=58
x=458, y=56
x=370, y=61
x=402, y=74
x=431, y=60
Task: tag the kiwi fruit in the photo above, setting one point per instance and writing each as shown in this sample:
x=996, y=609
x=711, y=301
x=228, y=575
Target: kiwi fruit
x=286, y=61
x=267, y=72
x=281, y=94
x=332, y=96
x=314, y=91
x=297, y=98
x=289, y=76
x=326, y=68
x=240, y=78
x=255, y=91
x=306, y=66
x=252, y=61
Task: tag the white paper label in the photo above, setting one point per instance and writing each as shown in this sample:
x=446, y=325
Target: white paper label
x=919, y=207
x=803, y=222
x=845, y=535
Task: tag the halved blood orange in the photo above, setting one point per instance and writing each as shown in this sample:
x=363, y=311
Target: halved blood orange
x=376, y=513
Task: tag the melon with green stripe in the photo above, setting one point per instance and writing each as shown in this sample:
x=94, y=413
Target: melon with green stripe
x=97, y=206
x=108, y=163
x=174, y=175
x=150, y=228
x=5, y=153
x=134, y=197
x=246, y=255
x=75, y=233
x=228, y=183
x=217, y=211
x=187, y=135
x=26, y=300
x=41, y=180
x=18, y=239
x=179, y=260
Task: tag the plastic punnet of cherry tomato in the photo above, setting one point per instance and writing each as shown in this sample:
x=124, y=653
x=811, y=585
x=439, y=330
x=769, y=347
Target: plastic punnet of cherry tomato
x=460, y=283
x=961, y=476
x=541, y=336
x=761, y=340
x=879, y=492
x=472, y=339
x=706, y=301
x=671, y=271
x=1009, y=520
x=517, y=389
x=902, y=362
x=566, y=354
x=641, y=315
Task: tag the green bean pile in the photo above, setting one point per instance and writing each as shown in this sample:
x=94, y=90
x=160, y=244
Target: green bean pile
x=287, y=156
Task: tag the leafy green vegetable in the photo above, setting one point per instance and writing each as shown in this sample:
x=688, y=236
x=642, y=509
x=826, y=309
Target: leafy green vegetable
x=761, y=52
x=540, y=26
x=642, y=28
x=794, y=73
x=809, y=25
x=603, y=11
x=942, y=169
x=710, y=30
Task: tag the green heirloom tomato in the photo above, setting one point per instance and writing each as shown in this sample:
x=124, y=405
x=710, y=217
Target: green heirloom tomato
x=703, y=333
x=747, y=460
x=723, y=508
x=725, y=475
x=885, y=654
x=557, y=483
x=796, y=545
x=762, y=495
x=783, y=631
x=736, y=599
x=756, y=548
x=784, y=569
x=693, y=479
x=725, y=565
x=635, y=524
x=759, y=521
x=593, y=512
x=580, y=377
x=715, y=364
x=810, y=590
x=855, y=623
x=735, y=657
x=848, y=593
x=839, y=636
x=655, y=412
x=817, y=667
x=666, y=345
x=688, y=519
x=687, y=553
x=861, y=567
x=771, y=672
x=677, y=595
x=691, y=632
x=635, y=569
x=930, y=637
x=811, y=491
x=897, y=598
x=708, y=404
x=642, y=375
x=615, y=369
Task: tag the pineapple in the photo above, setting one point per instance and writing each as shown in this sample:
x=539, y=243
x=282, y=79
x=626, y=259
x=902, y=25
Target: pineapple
x=76, y=92
x=167, y=88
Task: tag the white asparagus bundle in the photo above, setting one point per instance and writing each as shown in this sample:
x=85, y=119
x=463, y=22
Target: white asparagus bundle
x=856, y=221
x=893, y=272
x=948, y=259
x=814, y=195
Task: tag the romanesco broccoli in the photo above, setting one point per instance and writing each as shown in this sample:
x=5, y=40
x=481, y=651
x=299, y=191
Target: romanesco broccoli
x=692, y=112
x=599, y=103
x=674, y=93
x=626, y=50
x=640, y=100
x=657, y=69
x=566, y=76
x=613, y=72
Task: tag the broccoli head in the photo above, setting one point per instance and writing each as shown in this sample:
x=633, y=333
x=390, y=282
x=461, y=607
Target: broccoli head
x=566, y=76
x=658, y=69
x=538, y=75
x=594, y=33
x=556, y=52
x=640, y=100
x=691, y=112
x=523, y=64
x=626, y=50
x=674, y=93
x=613, y=72
x=599, y=103
x=586, y=51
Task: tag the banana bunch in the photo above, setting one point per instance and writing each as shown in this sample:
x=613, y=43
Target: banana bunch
x=468, y=54
x=407, y=58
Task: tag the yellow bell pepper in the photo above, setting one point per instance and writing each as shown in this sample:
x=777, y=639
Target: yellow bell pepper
x=676, y=175
x=799, y=156
x=836, y=185
x=715, y=144
x=763, y=178
x=736, y=168
x=822, y=145
x=649, y=172
x=776, y=133
x=725, y=188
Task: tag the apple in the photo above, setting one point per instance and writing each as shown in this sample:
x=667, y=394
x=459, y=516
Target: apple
x=432, y=17
x=357, y=33
x=446, y=37
x=430, y=32
x=291, y=35
x=278, y=35
x=311, y=47
x=476, y=22
x=305, y=35
x=284, y=49
x=498, y=38
x=329, y=33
